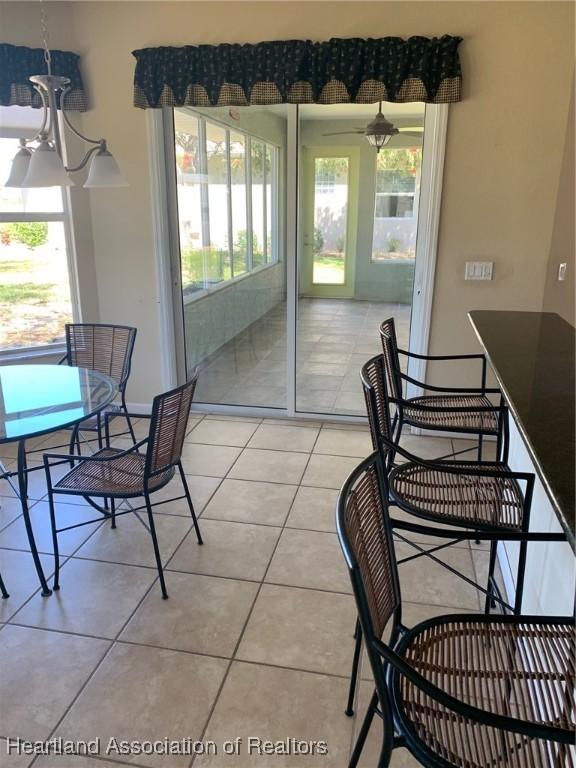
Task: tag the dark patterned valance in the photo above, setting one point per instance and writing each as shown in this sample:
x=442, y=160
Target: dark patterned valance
x=17, y=63
x=299, y=72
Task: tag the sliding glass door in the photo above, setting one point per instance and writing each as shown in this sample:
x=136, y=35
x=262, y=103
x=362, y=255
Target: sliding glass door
x=294, y=240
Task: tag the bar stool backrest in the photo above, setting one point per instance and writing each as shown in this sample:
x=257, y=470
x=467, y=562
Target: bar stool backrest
x=103, y=348
x=366, y=541
x=373, y=375
x=170, y=412
x=391, y=359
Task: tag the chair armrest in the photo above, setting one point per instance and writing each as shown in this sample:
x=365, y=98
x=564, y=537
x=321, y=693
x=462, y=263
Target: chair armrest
x=474, y=468
x=461, y=708
x=458, y=390
x=478, y=356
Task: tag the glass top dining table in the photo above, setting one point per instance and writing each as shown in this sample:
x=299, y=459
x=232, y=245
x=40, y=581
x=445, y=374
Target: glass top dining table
x=38, y=399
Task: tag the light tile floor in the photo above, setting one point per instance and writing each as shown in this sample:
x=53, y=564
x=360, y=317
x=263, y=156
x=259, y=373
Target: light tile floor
x=334, y=337
x=256, y=638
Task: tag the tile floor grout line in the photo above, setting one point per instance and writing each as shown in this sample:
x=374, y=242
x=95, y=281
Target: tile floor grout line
x=250, y=612
x=112, y=642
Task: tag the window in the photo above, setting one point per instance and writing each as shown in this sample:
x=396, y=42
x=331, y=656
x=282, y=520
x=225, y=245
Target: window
x=227, y=201
x=35, y=295
x=395, y=204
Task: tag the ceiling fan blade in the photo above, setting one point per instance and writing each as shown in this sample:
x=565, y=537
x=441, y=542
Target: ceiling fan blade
x=344, y=133
x=412, y=129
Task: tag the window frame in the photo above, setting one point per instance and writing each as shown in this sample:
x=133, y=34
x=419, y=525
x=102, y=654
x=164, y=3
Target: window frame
x=271, y=255
x=65, y=217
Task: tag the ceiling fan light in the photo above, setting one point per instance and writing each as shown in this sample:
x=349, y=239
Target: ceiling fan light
x=46, y=168
x=104, y=172
x=378, y=140
x=19, y=168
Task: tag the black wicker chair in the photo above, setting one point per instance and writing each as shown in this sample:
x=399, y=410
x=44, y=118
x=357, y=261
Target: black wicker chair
x=464, y=411
x=107, y=349
x=478, y=500
x=461, y=690
x=112, y=474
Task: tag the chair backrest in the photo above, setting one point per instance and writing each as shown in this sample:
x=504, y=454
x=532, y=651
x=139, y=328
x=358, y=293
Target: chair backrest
x=170, y=412
x=365, y=536
x=391, y=359
x=101, y=347
x=373, y=375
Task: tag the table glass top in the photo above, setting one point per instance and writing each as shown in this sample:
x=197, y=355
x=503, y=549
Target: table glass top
x=36, y=399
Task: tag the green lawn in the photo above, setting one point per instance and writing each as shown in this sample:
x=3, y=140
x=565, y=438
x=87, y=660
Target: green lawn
x=329, y=269
x=30, y=292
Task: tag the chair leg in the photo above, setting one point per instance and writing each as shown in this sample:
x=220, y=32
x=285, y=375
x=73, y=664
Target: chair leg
x=128, y=421
x=480, y=444
x=99, y=428
x=56, y=584
x=360, y=741
x=113, y=513
x=190, y=505
x=520, y=578
x=354, y=674
x=489, y=602
x=156, y=548
x=74, y=442
x=3, y=590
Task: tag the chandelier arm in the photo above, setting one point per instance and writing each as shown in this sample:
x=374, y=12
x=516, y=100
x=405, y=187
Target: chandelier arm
x=42, y=130
x=87, y=156
x=74, y=130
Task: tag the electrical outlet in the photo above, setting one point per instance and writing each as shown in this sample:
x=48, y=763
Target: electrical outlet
x=478, y=270
x=562, y=271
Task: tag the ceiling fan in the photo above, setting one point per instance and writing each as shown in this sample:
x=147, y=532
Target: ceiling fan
x=379, y=131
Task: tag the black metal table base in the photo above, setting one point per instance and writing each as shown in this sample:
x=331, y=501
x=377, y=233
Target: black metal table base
x=22, y=472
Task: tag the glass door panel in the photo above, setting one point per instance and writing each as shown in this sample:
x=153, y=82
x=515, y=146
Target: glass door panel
x=230, y=165
x=358, y=214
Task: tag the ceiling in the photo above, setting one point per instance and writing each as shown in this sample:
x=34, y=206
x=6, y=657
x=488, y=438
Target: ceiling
x=413, y=110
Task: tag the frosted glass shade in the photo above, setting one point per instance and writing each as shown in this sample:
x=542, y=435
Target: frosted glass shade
x=104, y=171
x=46, y=169
x=19, y=168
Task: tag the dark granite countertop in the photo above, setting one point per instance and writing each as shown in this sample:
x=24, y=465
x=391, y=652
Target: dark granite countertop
x=532, y=355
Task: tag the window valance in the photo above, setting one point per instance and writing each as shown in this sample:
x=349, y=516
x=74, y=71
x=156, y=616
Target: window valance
x=18, y=63
x=300, y=72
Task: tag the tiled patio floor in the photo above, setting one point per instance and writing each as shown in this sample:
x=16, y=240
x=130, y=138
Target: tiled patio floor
x=334, y=337
x=256, y=638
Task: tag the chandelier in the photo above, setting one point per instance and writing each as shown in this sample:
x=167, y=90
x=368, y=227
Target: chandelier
x=42, y=165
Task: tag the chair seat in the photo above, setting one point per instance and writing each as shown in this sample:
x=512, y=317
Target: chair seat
x=120, y=477
x=91, y=424
x=484, y=421
x=523, y=668
x=458, y=499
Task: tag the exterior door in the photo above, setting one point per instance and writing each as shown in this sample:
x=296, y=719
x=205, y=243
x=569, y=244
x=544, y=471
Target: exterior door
x=329, y=214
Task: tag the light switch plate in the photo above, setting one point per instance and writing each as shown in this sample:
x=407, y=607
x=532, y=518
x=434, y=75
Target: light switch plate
x=562, y=271
x=478, y=270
